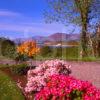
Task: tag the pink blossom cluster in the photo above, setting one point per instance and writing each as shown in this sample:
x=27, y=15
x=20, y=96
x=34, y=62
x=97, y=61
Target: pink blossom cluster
x=60, y=87
x=37, y=77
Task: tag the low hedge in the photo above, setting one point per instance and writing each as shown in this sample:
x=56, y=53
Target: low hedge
x=20, y=69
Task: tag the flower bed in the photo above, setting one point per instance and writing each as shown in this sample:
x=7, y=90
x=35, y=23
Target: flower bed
x=37, y=78
x=61, y=87
x=51, y=81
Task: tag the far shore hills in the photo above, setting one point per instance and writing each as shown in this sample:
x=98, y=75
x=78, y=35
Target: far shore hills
x=56, y=39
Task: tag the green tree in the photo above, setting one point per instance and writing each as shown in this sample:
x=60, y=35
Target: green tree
x=8, y=48
x=81, y=12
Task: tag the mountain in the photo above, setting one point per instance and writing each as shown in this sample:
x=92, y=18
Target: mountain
x=39, y=38
x=53, y=38
x=63, y=37
x=57, y=37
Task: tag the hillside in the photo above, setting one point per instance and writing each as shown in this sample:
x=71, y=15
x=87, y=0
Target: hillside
x=56, y=37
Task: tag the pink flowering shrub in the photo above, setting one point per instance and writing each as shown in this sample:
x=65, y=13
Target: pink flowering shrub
x=37, y=78
x=61, y=87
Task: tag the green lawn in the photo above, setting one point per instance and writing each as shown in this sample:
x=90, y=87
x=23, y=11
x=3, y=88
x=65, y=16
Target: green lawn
x=8, y=89
x=69, y=54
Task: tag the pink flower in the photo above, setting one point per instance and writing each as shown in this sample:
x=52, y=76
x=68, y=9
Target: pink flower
x=38, y=77
x=60, y=86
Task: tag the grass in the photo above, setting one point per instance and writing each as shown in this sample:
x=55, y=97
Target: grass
x=69, y=54
x=3, y=57
x=8, y=89
x=4, y=66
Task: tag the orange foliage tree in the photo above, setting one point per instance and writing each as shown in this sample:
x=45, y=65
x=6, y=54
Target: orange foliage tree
x=28, y=48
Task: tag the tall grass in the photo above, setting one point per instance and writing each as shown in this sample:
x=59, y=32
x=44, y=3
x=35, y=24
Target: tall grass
x=8, y=89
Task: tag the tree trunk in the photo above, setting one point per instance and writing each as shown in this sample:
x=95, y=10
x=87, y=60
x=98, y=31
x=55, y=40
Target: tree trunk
x=98, y=48
x=84, y=40
x=98, y=40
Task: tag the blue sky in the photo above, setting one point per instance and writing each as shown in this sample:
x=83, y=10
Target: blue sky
x=24, y=18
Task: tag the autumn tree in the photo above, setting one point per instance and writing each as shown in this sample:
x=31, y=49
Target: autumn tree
x=28, y=48
x=80, y=12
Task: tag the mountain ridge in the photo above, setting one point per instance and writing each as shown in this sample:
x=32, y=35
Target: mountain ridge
x=52, y=38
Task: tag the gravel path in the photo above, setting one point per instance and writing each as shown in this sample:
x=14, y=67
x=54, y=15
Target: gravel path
x=89, y=71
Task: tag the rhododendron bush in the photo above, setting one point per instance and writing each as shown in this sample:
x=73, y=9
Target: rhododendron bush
x=61, y=87
x=38, y=77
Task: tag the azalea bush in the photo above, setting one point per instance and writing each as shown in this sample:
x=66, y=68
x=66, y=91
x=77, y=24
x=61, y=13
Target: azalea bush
x=38, y=77
x=61, y=87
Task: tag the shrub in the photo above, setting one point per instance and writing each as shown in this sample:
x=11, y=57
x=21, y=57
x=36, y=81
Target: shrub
x=61, y=87
x=37, y=77
x=45, y=51
x=8, y=48
x=20, y=69
x=20, y=57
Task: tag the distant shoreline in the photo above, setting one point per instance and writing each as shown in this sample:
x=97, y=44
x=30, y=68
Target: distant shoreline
x=56, y=46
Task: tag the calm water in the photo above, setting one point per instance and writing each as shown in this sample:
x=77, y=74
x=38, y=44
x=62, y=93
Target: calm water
x=54, y=46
